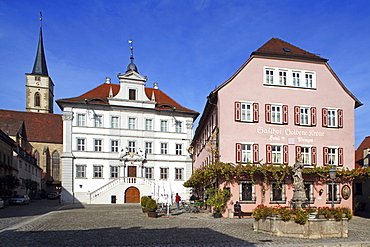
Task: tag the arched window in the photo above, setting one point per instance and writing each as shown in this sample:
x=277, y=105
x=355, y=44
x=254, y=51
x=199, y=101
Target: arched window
x=37, y=156
x=37, y=99
x=55, y=165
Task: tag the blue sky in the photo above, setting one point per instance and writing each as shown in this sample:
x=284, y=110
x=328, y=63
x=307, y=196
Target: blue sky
x=188, y=46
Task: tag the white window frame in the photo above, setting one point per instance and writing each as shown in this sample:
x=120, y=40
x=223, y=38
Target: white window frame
x=135, y=93
x=253, y=195
x=305, y=116
x=283, y=77
x=98, y=121
x=114, y=122
x=114, y=171
x=114, y=146
x=309, y=80
x=308, y=186
x=269, y=76
x=149, y=124
x=336, y=193
x=246, y=111
x=132, y=123
x=163, y=173
x=98, y=145
x=276, y=154
x=306, y=154
x=276, y=114
x=81, y=119
x=131, y=146
x=80, y=171
x=272, y=187
x=178, y=149
x=179, y=173
x=247, y=153
x=332, y=117
x=98, y=171
x=149, y=172
x=164, y=125
x=296, y=78
x=333, y=156
x=164, y=148
x=178, y=126
x=148, y=147
x=81, y=144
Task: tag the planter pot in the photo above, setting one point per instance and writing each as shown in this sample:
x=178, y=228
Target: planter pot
x=144, y=210
x=320, y=216
x=152, y=214
x=217, y=215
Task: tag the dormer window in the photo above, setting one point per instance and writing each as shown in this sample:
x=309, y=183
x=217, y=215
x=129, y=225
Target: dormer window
x=37, y=78
x=132, y=94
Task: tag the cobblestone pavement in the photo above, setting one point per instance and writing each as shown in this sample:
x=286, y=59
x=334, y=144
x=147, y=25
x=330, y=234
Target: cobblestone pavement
x=126, y=225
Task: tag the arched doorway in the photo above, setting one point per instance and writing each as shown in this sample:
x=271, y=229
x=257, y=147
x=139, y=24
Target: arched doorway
x=132, y=195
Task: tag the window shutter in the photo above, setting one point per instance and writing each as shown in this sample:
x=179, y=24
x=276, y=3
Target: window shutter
x=285, y=114
x=313, y=116
x=268, y=113
x=298, y=152
x=255, y=112
x=313, y=155
x=285, y=154
x=340, y=156
x=255, y=153
x=297, y=114
x=340, y=118
x=268, y=154
x=237, y=111
x=326, y=156
x=324, y=117
x=238, y=152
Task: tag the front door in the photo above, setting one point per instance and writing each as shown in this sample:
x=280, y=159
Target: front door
x=132, y=195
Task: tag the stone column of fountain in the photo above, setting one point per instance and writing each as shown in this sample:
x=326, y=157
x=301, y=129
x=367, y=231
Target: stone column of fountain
x=299, y=196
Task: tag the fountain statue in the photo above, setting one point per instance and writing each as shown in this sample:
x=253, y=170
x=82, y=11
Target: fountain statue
x=299, y=196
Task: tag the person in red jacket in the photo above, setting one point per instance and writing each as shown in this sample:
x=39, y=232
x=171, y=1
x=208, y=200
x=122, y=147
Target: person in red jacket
x=177, y=200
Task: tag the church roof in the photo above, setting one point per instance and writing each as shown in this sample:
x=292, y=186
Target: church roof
x=39, y=67
x=40, y=127
x=278, y=48
x=100, y=94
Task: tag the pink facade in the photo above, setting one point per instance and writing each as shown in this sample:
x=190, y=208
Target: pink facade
x=283, y=103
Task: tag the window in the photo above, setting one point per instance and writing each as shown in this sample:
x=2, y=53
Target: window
x=98, y=171
x=148, y=124
x=179, y=173
x=282, y=78
x=333, y=156
x=332, y=118
x=148, y=147
x=80, y=171
x=81, y=144
x=178, y=126
x=37, y=156
x=277, y=192
x=132, y=94
x=330, y=194
x=178, y=149
x=114, y=122
x=305, y=116
x=114, y=146
x=37, y=78
x=246, y=112
x=277, y=154
x=246, y=191
x=247, y=153
x=149, y=172
x=114, y=171
x=309, y=80
x=81, y=120
x=164, y=126
x=296, y=79
x=163, y=148
x=55, y=165
x=98, y=145
x=276, y=114
x=306, y=155
x=164, y=173
x=98, y=121
x=37, y=99
x=132, y=123
x=308, y=188
x=131, y=146
x=269, y=76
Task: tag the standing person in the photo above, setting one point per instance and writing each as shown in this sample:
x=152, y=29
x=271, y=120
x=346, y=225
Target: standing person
x=238, y=208
x=177, y=200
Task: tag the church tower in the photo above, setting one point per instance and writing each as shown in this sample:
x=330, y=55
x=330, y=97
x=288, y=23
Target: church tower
x=39, y=86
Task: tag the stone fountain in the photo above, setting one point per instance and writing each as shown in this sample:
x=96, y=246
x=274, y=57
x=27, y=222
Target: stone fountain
x=299, y=195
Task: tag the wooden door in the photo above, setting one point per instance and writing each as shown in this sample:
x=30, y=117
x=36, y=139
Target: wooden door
x=131, y=171
x=132, y=195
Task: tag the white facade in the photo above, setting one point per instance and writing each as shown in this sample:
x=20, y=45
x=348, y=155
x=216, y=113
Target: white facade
x=124, y=141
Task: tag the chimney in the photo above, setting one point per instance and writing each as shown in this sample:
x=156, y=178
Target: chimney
x=107, y=80
x=155, y=85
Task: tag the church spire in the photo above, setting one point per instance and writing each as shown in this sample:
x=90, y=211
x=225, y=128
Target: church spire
x=131, y=66
x=39, y=67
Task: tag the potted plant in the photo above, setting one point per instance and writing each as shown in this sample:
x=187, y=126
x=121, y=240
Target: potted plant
x=301, y=216
x=325, y=211
x=347, y=212
x=285, y=213
x=218, y=199
x=151, y=207
x=143, y=201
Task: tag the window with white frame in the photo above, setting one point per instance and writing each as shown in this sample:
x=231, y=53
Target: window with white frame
x=148, y=147
x=246, y=191
x=148, y=124
x=114, y=146
x=164, y=125
x=178, y=126
x=163, y=173
x=277, y=154
x=114, y=171
x=114, y=122
x=282, y=77
x=309, y=80
x=333, y=156
x=178, y=149
x=98, y=121
x=132, y=146
x=179, y=173
x=247, y=153
x=332, y=118
x=132, y=123
x=81, y=120
x=290, y=78
x=276, y=112
x=246, y=112
x=296, y=79
x=98, y=171
x=164, y=148
x=277, y=192
x=269, y=76
x=98, y=145
x=149, y=172
x=330, y=194
x=305, y=116
x=132, y=94
x=80, y=171
x=81, y=144
x=308, y=188
x=306, y=155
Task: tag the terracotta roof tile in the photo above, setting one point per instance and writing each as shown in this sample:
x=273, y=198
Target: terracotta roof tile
x=40, y=127
x=359, y=153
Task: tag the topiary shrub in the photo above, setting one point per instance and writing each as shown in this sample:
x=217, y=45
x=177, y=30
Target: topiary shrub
x=144, y=200
x=151, y=205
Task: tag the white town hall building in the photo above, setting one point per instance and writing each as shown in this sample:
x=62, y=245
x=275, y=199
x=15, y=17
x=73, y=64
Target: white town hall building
x=125, y=141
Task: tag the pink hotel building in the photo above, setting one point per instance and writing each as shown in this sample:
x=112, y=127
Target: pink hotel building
x=282, y=103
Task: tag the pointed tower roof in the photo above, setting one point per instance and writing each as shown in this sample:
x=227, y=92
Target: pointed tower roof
x=131, y=66
x=39, y=67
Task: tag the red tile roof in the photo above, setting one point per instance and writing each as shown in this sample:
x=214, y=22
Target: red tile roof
x=359, y=153
x=100, y=94
x=276, y=47
x=40, y=127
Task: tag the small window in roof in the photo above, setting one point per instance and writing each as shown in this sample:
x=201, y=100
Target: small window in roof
x=286, y=49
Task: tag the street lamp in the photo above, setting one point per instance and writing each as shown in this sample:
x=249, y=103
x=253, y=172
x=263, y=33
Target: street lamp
x=332, y=174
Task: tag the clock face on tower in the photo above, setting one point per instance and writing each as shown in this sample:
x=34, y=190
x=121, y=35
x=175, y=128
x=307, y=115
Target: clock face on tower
x=37, y=83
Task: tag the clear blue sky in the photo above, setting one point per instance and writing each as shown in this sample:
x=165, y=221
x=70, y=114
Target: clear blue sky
x=188, y=46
